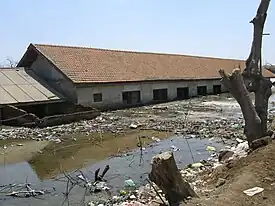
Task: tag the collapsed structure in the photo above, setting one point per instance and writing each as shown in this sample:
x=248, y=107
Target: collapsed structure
x=53, y=79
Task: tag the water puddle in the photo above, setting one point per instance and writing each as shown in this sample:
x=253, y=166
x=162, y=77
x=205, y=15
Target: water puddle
x=129, y=165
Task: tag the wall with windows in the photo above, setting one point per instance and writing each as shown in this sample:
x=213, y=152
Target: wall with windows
x=126, y=94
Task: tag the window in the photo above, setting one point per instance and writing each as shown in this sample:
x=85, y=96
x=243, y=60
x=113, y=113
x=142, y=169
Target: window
x=201, y=90
x=217, y=89
x=160, y=94
x=98, y=97
x=131, y=97
x=182, y=93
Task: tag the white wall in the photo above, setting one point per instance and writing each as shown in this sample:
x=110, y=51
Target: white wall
x=112, y=93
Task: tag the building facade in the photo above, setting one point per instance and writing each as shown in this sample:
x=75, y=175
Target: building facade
x=107, y=78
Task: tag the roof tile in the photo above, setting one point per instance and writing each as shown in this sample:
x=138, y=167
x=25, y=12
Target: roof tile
x=90, y=65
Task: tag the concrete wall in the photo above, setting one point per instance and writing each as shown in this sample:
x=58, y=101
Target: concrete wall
x=112, y=93
x=54, y=78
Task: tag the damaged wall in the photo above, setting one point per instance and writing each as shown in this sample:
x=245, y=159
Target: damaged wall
x=112, y=93
x=14, y=116
x=54, y=78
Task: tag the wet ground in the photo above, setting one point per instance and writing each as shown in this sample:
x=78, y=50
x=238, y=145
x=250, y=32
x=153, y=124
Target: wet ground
x=212, y=121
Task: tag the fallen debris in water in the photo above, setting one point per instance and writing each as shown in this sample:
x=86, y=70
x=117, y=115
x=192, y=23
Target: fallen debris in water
x=22, y=190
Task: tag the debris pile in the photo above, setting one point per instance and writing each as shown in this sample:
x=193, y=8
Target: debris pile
x=170, y=117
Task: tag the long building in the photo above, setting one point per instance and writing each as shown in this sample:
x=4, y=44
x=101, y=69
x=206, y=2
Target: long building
x=103, y=78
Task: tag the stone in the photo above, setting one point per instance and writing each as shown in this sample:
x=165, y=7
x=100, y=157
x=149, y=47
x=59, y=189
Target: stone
x=260, y=142
x=220, y=182
x=225, y=155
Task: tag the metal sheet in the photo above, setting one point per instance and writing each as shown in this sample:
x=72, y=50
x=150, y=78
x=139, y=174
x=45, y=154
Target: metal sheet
x=45, y=91
x=17, y=93
x=5, y=80
x=17, y=86
x=15, y=77
x=34, y=93
x=5, y=97
x=26, y=76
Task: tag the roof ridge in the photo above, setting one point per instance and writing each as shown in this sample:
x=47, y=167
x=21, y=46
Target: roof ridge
x=135, y=52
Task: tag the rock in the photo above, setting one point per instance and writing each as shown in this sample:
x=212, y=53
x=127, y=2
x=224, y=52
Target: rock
x=260, y=142
x=220, y=182
x=225, y=155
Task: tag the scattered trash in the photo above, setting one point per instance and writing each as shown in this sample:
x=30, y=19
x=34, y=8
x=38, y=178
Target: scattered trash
x=174, y=148
x=197, y=165
x=101, y=186
x=132, y=197
x=155, y=139
x=132, y=203
x=20, y=145
x=239, y=140
x=129, y=183
x=57, y=140
x=235, y=126
x=123, y=192
x=133, y=126
x=91, y=204
x=253, y=191
x=241, y=150
x=210, y=149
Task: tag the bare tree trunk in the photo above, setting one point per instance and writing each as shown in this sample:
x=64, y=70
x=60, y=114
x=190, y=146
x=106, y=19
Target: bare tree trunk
x=252, y=80
x=168, y=178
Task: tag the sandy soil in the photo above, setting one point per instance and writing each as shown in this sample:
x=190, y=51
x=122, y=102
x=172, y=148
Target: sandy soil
x=256, y=170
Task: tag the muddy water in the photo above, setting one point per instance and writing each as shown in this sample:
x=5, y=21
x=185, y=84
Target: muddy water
x=129, y=165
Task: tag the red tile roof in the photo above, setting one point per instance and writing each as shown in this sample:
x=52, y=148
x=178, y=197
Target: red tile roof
x=90, y=65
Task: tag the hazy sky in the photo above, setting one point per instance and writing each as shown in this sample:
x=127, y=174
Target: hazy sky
x=217, y=28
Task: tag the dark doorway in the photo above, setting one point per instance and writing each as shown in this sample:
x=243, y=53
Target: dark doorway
x=160, y=94
x=217, y=89
x=132, y=97
x=201, y=90
x=182, y=93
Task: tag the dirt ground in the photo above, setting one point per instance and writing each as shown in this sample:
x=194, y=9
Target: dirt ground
x=255, y=170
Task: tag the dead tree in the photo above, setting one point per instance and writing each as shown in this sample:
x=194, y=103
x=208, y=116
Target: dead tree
x=168, y=178
x=251, y=80
x=9, y=62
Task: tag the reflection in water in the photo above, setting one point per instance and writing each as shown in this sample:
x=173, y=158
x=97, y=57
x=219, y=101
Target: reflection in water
x=17, y=173
x=127, y=166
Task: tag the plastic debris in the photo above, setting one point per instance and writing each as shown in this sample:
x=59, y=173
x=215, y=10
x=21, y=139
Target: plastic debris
x=235, y=126
x=155, y=139
x=101, y=186
x=174, y=148
x=210, y=149
x=197, y=165
x=122, y=192
x=129, y=183
x=253, y=191
x=132, y=197
x=91, y=204
x=132, y=203
x=239, y=140
x=133, y=126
